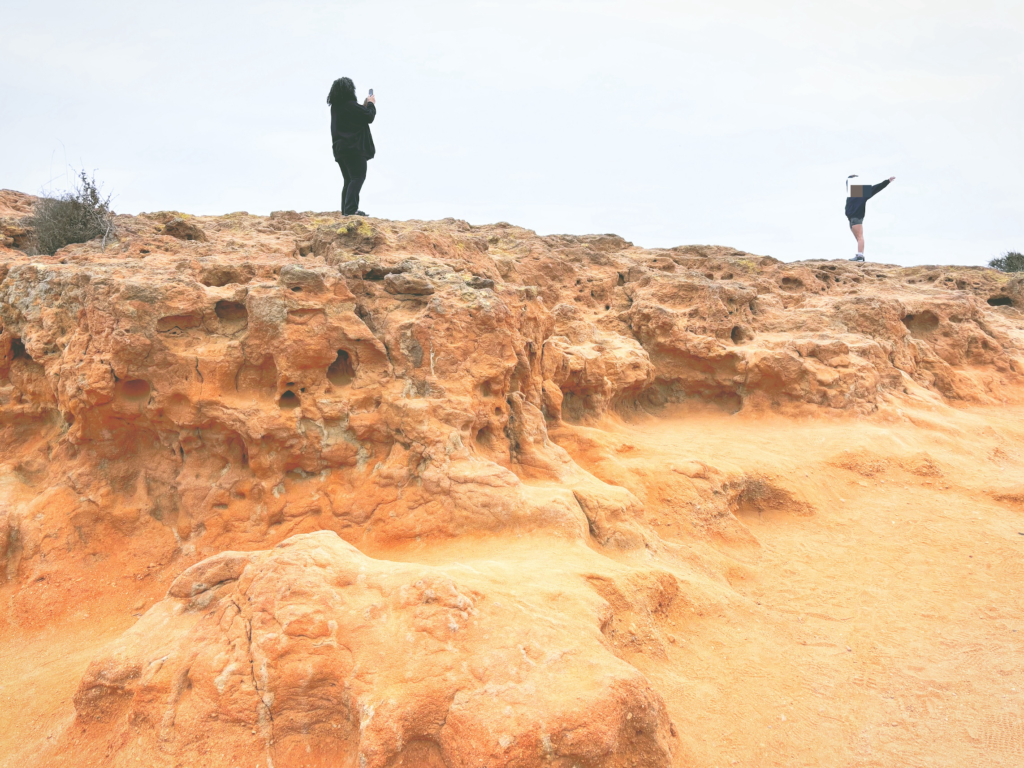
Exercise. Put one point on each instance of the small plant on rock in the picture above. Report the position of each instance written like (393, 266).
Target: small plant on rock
(1011, 261)
(72, 217)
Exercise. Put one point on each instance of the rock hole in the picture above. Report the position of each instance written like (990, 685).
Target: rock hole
(607, 306)
(709, 275)
(925, 322)
(793, 283)
(485, 438)
(574, 407)
(485, 389)
(341, 372)
(232, 312)
(740, 334)
(296, 289)
(1000, 301)
(727, 276)
(237, 453)
(18, 350)
(135, 390)
(177, 323)
(289, 400)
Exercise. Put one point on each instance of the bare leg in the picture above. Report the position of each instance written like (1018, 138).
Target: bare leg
(858, 232)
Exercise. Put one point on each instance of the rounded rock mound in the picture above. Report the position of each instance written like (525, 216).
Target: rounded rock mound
(314, 654)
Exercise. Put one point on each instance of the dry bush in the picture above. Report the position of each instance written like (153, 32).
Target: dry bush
(73, 217)
(1011, 261)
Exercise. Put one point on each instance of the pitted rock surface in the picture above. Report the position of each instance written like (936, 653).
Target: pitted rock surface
(271, 421)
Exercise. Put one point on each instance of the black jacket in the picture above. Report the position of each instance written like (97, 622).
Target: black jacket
(857, 206)
(350, 128)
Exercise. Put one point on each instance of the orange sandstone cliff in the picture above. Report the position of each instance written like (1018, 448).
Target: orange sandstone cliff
(308, 490)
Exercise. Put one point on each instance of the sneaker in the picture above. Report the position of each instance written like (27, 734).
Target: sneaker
(858, 257)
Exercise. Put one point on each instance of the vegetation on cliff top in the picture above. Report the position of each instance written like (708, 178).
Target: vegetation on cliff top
(1011, 261)
(77, 216)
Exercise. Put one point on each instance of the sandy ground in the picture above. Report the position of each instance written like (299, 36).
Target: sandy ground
(884, 629)
(874, 619)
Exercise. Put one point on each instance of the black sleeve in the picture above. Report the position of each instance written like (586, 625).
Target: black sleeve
(369, 111)
(878, 188)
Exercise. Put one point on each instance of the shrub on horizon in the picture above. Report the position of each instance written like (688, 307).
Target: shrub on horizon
(1011, 261)
(77, 216)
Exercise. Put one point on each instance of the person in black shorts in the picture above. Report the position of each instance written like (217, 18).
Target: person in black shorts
(857, 196)
(351, 139)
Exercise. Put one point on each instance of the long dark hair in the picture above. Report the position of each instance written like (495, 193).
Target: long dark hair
(342, 90)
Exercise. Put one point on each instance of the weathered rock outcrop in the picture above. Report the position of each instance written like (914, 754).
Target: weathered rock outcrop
(206, 388)
(323, 649)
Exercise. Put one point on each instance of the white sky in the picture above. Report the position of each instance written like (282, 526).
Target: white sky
(724, 122)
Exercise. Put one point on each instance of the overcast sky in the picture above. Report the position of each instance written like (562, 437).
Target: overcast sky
(668, 123)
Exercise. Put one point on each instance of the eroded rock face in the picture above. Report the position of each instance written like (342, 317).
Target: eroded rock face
(206, 388)
(333, 655)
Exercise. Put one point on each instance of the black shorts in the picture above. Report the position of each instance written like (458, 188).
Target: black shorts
(855, 220)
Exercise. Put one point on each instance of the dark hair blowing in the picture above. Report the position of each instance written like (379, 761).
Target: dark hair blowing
(342, 90)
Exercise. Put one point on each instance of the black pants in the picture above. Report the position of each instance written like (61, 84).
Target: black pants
(353, 170)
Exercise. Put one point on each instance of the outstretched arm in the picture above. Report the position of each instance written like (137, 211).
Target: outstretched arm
(875, 189)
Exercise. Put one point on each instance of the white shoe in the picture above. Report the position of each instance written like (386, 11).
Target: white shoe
(858, 257)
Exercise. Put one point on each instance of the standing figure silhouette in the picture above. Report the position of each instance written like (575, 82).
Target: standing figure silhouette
(857, 196)
(351, 139)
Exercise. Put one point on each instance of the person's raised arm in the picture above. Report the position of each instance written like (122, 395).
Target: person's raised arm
(369, 111)
(369, 108)
(879, 187)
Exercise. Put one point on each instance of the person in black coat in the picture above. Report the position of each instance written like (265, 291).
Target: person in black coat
(351, 139)
(857, 196)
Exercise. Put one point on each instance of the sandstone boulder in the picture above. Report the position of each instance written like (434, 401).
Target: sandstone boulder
(313, 652)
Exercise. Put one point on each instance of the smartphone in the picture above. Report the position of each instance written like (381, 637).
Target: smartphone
(371, 91)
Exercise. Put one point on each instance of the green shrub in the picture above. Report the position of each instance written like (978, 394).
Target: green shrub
(1011, 261)
(73, 217)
